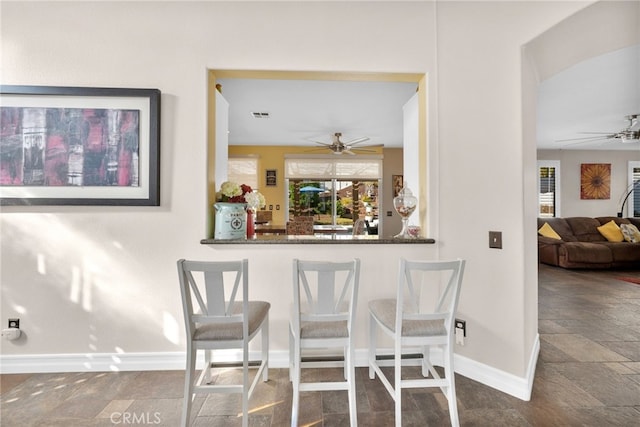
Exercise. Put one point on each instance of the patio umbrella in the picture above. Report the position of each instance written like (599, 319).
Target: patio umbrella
(310, 189)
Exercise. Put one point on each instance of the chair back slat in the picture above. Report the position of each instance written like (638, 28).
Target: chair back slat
(214, 285)
(344, 296)
(196, 292)
(413, 302)
(325, 303)
(446, 294)
(307, 291)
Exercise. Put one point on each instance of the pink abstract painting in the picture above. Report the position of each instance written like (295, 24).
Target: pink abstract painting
(69, 147)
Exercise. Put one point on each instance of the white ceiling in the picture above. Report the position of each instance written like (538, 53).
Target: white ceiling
(304, 110)
(592, 96)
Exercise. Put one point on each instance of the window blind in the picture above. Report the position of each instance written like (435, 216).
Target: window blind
(324, 168)
(243, 170)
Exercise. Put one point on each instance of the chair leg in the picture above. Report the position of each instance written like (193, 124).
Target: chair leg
(351, 378)
(188, 385)
(265, 349)
(290, 355)
(296, 384)
(426, 353)
(245, 385)
(397, 370)
(345, 366)
(208, 371)
(451, 388)
(372, 346)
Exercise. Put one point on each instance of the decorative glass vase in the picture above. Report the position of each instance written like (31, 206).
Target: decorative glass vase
(231, 221)
(405, 203)
(251, 225)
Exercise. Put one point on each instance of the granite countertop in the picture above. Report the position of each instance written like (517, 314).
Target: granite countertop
(280, 239)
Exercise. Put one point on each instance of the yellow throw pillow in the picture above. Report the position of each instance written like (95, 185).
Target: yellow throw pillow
(611, 232)
(547, 231)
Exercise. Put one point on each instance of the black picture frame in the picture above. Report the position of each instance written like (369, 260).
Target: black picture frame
(271, 177)
(141, 104)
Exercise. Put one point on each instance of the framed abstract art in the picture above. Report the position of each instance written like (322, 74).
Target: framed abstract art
(79, 146)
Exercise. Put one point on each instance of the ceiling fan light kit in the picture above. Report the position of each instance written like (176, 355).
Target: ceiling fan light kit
(629, 134)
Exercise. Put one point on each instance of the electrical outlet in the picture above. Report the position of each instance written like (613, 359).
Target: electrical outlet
(460, 331)
(14, 323)
(462, 325)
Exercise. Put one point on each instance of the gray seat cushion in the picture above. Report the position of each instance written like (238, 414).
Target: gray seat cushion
(258, 310)
(333, 329)
(385, 311)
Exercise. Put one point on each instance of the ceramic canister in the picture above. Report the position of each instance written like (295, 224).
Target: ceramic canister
(231, 221)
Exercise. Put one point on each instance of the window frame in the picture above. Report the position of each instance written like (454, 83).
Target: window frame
(331, 169)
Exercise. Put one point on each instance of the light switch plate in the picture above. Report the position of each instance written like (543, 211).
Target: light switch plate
(495, 239)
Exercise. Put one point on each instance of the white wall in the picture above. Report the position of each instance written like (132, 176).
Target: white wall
(570, 161)
(482, 160)
(123, 259)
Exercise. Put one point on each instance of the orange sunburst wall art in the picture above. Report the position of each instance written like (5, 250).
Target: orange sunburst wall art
(595, 181)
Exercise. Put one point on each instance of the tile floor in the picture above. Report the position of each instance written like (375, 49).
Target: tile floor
(588, 374)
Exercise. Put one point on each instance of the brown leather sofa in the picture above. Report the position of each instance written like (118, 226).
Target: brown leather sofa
(582, 245)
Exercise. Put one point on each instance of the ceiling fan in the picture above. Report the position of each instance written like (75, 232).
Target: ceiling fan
(339, 147)
(627, 135)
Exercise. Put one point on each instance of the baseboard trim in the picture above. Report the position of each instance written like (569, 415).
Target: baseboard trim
(513, 385)
(105, 362)
(91, 362)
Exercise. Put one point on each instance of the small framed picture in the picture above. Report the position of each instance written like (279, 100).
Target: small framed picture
(398, 182)
(271, 177)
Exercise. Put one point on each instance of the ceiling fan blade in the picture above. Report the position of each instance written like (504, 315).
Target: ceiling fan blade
(604, 140)
(356, 141)
(589, 138)
(315, 150)
(323, 143)
(368, 146)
